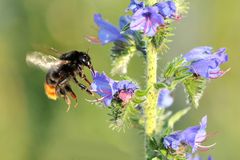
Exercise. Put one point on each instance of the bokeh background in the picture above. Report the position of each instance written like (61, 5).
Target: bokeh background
(33, 127)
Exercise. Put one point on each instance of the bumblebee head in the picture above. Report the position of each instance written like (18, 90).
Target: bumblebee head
(86, 61)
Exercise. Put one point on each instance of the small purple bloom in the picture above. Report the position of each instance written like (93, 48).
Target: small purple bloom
(107, 32)
(167, 9)
(210, 158)
(125, 90)
(147, 20)
(191, 157)
(165, 99)
(103, 86)
(196, 157)
(108, 89)
(192, 136)
(205, 63)
(173, 140)
(135, 5)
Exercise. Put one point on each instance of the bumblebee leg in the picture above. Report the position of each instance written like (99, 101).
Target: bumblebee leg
(73, 95)
(83, 87)
(62, 93)
(83, 76)
(68, 101)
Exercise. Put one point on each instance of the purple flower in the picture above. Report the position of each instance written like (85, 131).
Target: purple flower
(167, 9)
(147, 20)
(191, 157)
(103, 86)
(205, 63)
(135, 5)
(165, 99)
(192, 136)
(123, 21)
(109, 89)
(173, 140)
(107, 32)
(124, 90)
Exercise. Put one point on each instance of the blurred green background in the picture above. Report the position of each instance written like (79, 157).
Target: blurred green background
(32, 127)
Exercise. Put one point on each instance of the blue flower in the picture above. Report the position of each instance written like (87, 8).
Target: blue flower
(192, 136)
(205, 63)
(125, 90)
(147, 20)
(196, 157)
(123, 21)
(103, 86)
(173, 140)
(107, 32)
(109, 89)
(167, 9)
(191, 157)
(135, 5)
(165, 99)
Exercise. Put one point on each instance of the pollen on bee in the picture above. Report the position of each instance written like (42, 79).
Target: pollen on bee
(50, 91)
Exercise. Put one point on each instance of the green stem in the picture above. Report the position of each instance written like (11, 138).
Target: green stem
(151, 99)
(150, 107)
(151, 2)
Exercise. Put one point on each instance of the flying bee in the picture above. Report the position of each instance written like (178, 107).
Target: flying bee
(60, 71)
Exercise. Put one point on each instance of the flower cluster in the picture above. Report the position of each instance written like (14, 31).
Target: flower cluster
(205, 63)
(146, 19)
(192, 137)
(109, 89)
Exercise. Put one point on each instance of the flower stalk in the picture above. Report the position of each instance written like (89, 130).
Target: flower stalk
(151, 99)
(151, 2)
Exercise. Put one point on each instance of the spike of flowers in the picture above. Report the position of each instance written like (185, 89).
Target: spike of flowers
(146, 30)
(205, 63)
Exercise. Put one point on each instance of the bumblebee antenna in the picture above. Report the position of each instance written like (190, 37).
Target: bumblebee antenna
(87, 51)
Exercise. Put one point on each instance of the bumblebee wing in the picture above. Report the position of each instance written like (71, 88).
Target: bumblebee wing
(44, 62)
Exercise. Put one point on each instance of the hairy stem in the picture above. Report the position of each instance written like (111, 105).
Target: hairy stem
(151, 2)
(151, 100)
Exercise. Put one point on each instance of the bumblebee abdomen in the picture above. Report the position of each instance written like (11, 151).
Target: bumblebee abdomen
(50, 91)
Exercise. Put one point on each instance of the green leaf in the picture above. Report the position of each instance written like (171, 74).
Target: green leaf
(176, 66)
(126, 27)
(194, 88)
(141, 93)
(137, 100)
(174, 73)
(161, 85)
(177, 116)
(160, 40)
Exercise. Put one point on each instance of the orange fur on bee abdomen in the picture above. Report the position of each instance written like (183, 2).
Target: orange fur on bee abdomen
(50, 91)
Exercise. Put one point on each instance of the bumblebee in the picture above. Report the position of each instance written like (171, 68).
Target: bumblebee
(60, 71)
